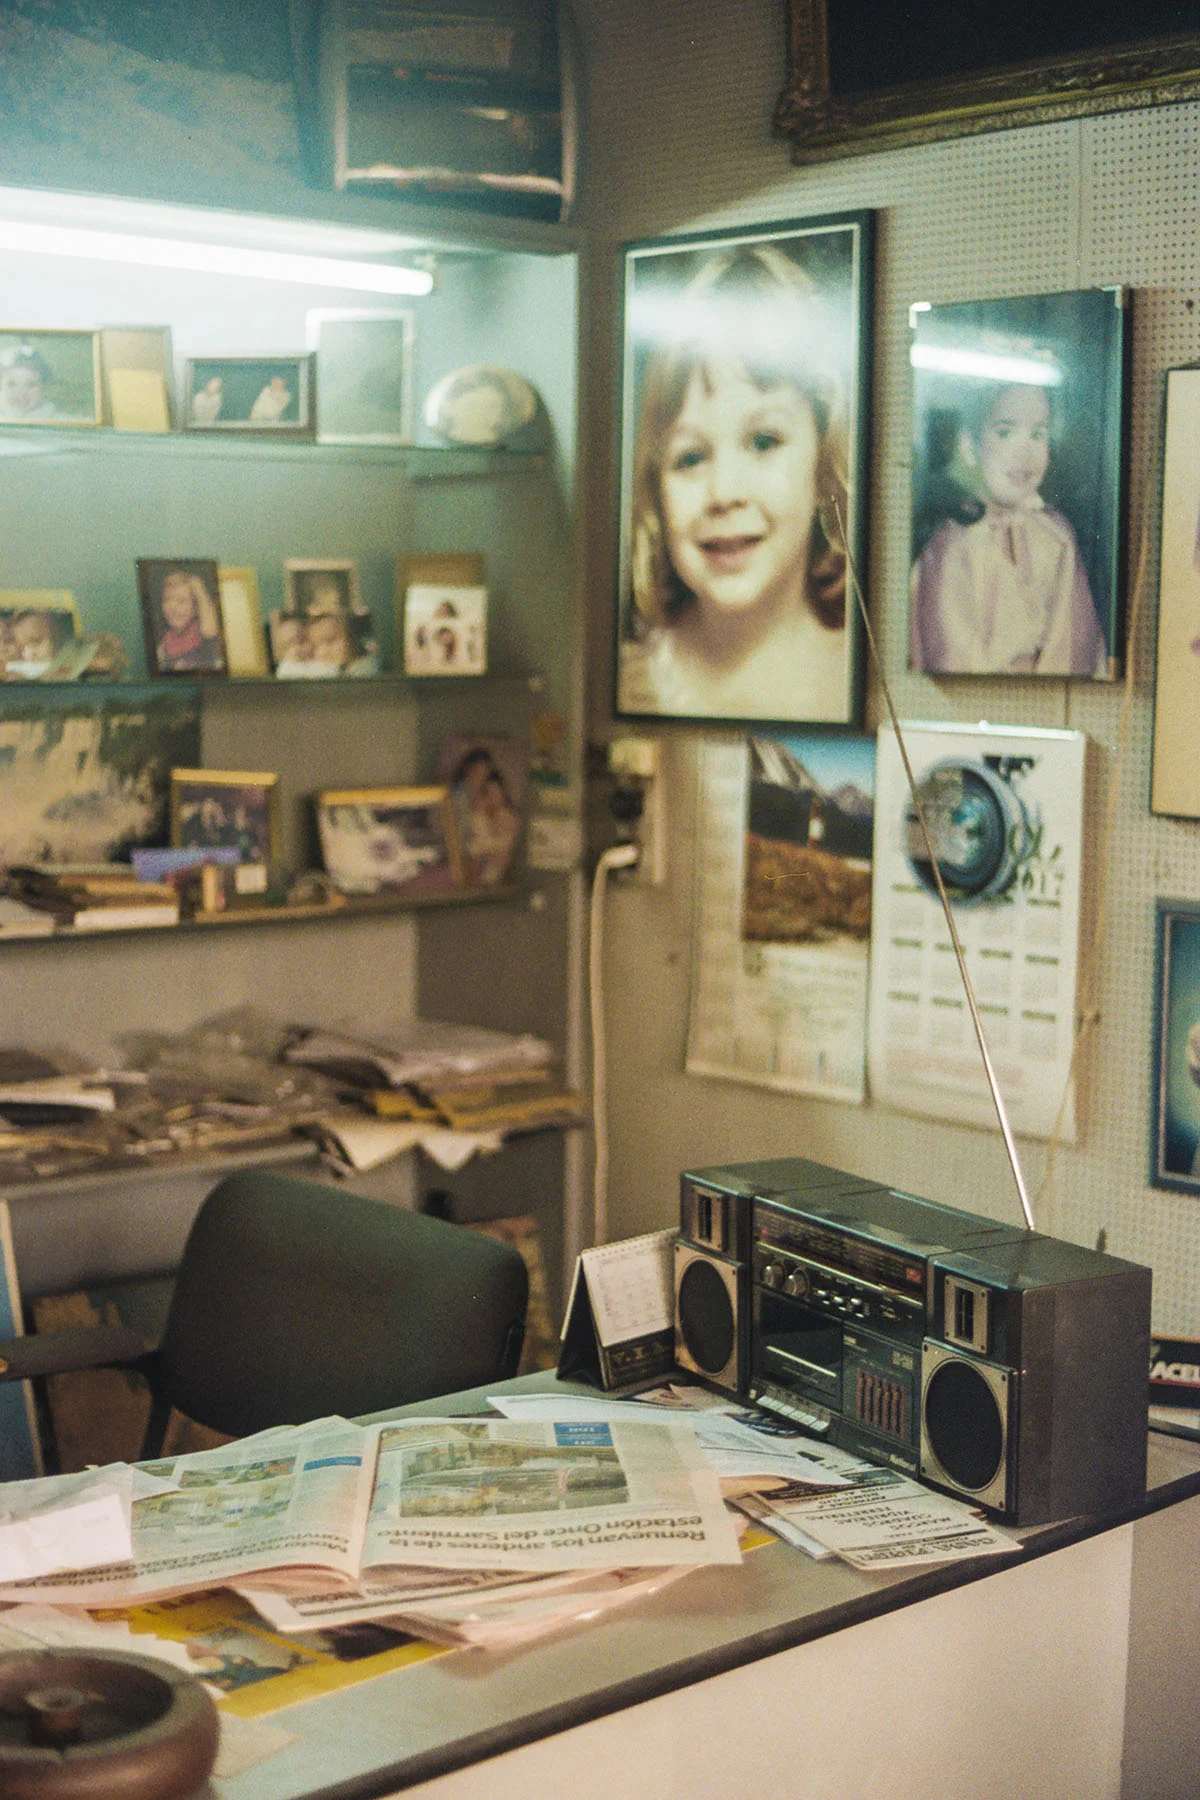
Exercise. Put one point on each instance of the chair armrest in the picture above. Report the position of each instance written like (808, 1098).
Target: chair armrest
(61, 1352)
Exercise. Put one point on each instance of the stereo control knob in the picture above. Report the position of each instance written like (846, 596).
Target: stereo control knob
(772, 1274)
(796, 1282)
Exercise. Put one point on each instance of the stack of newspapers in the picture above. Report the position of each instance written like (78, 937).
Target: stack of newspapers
(455, 1530)
(465, 1531)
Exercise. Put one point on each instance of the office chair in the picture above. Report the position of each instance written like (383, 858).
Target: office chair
(295, 1299)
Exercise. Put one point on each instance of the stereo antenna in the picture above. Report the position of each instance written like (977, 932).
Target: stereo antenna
(1006, 1130)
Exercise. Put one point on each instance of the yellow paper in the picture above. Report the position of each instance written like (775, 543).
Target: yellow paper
(138, 398)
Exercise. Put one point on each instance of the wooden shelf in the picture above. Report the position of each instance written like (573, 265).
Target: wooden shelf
(358, 907)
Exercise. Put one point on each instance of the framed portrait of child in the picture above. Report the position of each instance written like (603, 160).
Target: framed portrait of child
(1018, 413)
(746, 385)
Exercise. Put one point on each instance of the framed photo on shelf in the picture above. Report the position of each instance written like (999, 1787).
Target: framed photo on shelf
(1019, 420)
(36, 626)
(50, 377)
(248, 393)
(137, 367)
(321, 586)
(329, 645)
(486, 775)
(181, 615)
(1175, 1102)
(397, 840)
(226, 809)
(745, 395)
(1175, 770)
(364, 361)
(242, 622)
(445, 630)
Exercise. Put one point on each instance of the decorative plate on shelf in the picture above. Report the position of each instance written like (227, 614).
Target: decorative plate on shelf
(481, 405)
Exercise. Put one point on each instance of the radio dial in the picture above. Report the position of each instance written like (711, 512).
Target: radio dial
(772, 1274)
(796, 1282)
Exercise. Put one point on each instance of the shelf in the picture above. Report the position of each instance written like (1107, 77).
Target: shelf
(422, 462)
(364, 907)
(424, 685)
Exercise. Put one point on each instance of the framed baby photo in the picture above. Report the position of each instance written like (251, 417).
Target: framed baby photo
(744, 437)
(37, 625)
(486, 775)
(1175, 769)
(50, 377)
(226, 809)
(364, 364)
(181, 615)
(312, 646)
(1017, 507)
(263, 394)
(445, 630)
(1175, 1099)
(321, 586)
(397, 840)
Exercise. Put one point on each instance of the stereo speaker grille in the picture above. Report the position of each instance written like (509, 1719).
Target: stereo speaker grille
(706, 1316)
(965, 1416)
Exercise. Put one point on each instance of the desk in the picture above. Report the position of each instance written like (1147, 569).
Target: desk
(793, 1680)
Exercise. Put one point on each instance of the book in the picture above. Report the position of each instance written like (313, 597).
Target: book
(20, 920)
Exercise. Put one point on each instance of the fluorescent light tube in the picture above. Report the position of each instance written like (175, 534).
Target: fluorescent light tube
(212, 259)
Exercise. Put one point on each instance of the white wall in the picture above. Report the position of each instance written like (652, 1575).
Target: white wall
(678, 138)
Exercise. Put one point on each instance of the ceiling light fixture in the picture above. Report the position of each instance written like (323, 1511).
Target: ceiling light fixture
(212, 259)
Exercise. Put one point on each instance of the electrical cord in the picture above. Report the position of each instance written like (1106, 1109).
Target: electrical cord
(618, 856)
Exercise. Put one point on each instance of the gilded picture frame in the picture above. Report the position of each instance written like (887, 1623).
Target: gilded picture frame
(1057, 62)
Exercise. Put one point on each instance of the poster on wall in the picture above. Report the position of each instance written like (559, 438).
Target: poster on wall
(783, 913)
(1175, 1161)
(1018, 414)
(1175, 777)
(1004, 809)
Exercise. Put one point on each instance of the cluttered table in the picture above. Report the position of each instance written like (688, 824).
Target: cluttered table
(804, 1678)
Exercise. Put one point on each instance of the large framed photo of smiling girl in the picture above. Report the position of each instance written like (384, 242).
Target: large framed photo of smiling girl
(744, 438)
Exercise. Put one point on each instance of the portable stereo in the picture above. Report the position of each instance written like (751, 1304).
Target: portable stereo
(994, 1362)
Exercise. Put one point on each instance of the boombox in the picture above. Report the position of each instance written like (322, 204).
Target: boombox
(998, 1364)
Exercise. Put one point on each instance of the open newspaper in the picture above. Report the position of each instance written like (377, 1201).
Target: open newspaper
(452, 1494)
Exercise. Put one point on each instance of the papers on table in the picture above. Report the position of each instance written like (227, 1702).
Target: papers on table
(64, 1522)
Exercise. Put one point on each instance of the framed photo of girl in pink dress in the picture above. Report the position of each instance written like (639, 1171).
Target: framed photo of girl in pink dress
(1018, 411)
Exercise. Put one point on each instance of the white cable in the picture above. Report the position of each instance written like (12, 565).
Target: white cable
(619, 856)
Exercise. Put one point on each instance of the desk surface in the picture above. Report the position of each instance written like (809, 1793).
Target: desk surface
(420, 1722)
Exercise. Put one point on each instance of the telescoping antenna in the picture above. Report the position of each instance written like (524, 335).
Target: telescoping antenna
(1006, 1131)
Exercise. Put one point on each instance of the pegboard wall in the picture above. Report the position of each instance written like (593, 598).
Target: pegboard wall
(678, 139)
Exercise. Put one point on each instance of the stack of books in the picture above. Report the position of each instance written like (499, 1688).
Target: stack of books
(94, 896)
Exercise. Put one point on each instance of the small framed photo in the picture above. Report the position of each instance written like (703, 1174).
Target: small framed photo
(445, 630)
(242, 622)
(364, 375)
(746, 361)
(36, 626)
(1019, 414)
(328, 586)
(1175, 777)
(309, 646)
(398, 840)
(50, 377)
(248, 393)
(137, 366)
(223, 809)
(181, 615)
(486, 775)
